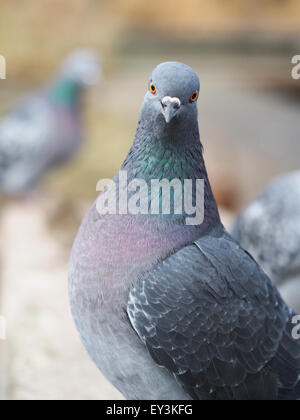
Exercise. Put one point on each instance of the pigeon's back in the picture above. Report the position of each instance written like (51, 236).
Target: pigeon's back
(24, 133)
(34, 137)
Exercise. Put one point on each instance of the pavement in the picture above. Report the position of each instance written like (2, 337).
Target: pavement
(42, 357)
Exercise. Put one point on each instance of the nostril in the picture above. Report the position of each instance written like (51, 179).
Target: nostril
(174, 105)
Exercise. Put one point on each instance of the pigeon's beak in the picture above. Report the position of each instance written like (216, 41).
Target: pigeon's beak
(170, 107)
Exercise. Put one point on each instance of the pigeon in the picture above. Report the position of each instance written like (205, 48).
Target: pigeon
(44, 129)
(269, 228)
(170, 308)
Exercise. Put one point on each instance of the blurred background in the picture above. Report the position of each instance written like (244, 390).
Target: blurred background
(249, 120)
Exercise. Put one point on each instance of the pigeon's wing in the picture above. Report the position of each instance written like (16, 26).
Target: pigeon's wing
(212, 317)
(24, 138)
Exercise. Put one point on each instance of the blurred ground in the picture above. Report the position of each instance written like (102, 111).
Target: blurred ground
(44, 358)
(249, 121)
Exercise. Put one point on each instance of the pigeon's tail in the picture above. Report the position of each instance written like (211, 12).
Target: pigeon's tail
(286, 363)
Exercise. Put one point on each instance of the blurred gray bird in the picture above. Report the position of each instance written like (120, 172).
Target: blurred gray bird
(269, 228)
(169, 310)
(45, 130)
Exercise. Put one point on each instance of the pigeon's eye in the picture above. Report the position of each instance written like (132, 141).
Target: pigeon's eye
(152, 88)
(194, 96)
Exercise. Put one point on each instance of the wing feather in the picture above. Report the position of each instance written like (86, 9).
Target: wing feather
(212, 317)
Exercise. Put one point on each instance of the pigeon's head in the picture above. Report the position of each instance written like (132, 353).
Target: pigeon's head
(83, 67)
(172, 94)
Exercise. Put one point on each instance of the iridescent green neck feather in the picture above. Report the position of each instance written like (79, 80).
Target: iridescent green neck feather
(176, 154)
(66, 92)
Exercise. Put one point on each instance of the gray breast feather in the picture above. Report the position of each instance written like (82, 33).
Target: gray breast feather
(211, 316)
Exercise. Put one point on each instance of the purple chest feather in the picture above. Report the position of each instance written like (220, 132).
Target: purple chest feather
(113, 251)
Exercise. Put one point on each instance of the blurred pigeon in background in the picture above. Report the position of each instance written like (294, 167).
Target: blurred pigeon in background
(45, 130)
(269, 228)
(170, 310)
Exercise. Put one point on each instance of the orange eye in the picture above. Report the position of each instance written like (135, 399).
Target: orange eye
(194, 96)
(152, 88)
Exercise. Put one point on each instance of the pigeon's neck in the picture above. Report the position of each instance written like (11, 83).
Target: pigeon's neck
(172, 154)
(65, 92)
(165, 154)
